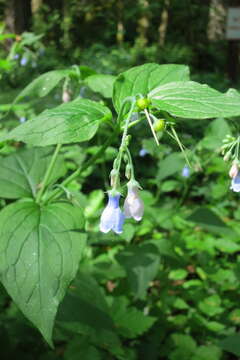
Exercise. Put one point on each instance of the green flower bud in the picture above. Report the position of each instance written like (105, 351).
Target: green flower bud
(143, 103)
(159, 125)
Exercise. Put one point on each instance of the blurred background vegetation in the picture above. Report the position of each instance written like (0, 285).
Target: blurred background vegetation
(182, 267)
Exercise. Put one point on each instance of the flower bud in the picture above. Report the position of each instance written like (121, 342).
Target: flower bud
(128, 171)
(113, 177)
(159, 125)
(66, 96)
(227, 156)
(143, 103)
(234, 170)
(133, 205)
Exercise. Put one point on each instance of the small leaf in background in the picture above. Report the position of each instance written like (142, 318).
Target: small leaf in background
(231, 344)
(210, 221)
(208, 352)
(39, 257)
(129, 321)
(81, 348)
(178, 274)
(71, 122)
(170, 165)
(215, 133)
(22, 172)
(85, 311)
(141, 264)
(211, 305)
(192, 100)
(101, 83)
(142, 79)
(185, 347)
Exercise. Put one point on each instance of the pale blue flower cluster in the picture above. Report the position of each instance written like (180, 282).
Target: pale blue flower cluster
(113, 218)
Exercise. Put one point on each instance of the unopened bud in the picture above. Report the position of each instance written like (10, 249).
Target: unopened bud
(234, 170)
(159, 125)
(128, 171)
(113, 177)
(66, 96)
(227, 156)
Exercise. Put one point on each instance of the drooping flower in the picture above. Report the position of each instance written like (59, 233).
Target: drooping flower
(133, 204)
(143, 152)
(112, 217)
(235, 184)
(22, 119)
(185, 171)
(23, 61)
(234, 170)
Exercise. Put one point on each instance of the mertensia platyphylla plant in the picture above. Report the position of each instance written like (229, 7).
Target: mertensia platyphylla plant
(42, 229)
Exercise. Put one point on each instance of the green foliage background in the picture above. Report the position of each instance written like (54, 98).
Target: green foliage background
(168, 287)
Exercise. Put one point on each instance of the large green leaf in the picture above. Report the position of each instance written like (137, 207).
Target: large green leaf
(39, 256)
(142, 79)
(22, 171)
(101, 83)
(75, 121)
(189, 99)
(43, 84)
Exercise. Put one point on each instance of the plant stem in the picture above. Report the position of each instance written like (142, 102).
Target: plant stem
(48, 173)
(180, 145)
(123, 145)
(151, 126)
(58, 192)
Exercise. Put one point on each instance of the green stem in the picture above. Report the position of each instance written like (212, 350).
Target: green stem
(180, 145)
(59, 191)
(151, 126)
(123, 145)
(48, 173)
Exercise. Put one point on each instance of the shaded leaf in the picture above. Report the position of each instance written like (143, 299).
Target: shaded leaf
(39, 256)
(130, 321)
(141, 264)
(22, 171)
(210, 221)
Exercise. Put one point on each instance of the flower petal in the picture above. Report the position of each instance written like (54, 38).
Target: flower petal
(107, 219)
(119, 219)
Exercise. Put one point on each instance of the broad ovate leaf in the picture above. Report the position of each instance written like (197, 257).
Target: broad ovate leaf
(40, 249)
(75, 121)
(189, 99)
(142, 79)
(22, 172)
